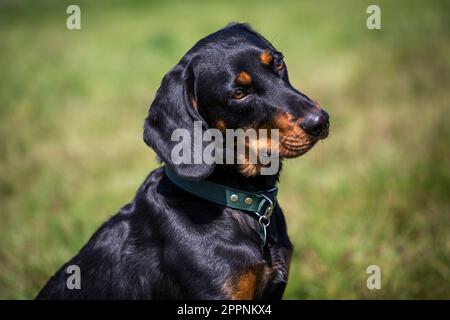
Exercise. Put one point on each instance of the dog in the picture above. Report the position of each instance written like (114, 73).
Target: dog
(171, 243)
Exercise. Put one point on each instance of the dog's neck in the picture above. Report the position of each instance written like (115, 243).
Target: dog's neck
(229, 175)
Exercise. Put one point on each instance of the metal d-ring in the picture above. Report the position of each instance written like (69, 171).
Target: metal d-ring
(262, 222)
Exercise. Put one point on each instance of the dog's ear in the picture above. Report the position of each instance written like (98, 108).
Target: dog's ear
(174, 108)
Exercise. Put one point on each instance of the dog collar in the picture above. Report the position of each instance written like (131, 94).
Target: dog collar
(261, 203)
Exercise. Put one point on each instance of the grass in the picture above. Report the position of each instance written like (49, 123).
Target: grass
(72, 105)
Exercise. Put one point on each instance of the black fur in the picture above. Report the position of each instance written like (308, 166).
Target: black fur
(169, 244)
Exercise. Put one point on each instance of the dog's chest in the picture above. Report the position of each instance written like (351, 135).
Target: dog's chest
(259, 281)
(265, 274)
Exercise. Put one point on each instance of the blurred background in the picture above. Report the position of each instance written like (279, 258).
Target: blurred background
(73, 102)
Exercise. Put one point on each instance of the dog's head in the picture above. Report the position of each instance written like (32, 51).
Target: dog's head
(233, 78)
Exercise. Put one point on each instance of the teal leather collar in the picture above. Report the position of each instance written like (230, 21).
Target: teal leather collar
(261, 203)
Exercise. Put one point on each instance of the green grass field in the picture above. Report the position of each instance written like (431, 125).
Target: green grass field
(377, 191)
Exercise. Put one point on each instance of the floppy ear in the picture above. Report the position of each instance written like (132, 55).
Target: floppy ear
(173, 108)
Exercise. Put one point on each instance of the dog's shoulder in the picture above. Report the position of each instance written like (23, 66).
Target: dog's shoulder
(120, 255)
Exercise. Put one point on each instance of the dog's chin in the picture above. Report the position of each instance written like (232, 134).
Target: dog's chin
(293, 150)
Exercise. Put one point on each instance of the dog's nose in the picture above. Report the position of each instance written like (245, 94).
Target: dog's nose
(316, 124)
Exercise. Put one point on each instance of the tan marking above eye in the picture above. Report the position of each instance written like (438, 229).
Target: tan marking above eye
(244, 79)
(266, 57)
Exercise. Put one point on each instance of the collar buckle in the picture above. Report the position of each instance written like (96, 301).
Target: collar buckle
(267, 205)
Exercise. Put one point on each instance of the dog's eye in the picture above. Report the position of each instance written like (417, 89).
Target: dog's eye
(280, 66)
(239, 94)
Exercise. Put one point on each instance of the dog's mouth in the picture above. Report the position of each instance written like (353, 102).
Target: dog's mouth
(295, 146)
(296, 139)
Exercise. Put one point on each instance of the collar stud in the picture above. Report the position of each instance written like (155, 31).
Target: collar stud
(248, 201)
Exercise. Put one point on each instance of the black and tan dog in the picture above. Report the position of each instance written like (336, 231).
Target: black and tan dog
(172, 244)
